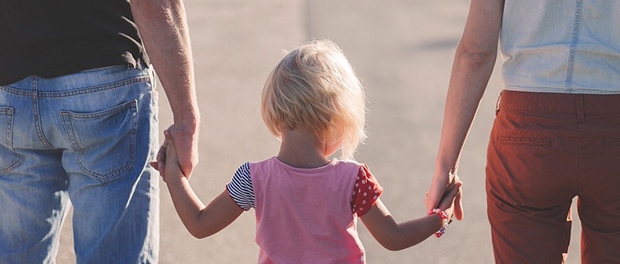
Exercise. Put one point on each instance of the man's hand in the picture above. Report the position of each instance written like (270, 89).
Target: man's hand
(186, 146)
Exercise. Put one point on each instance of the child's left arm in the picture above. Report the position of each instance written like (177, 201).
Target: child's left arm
(200, 220)
(398, 236)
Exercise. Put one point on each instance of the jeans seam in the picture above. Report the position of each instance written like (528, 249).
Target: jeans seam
(8, 124)
(15, 91)
(112, 174)
(68, 125)
(37, 116)
(110, 86)
(130, 105)
(9, 139)
(573, 45)
(15, 165)
(96, 88)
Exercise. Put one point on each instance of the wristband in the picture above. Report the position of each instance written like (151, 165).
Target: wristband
(444, 221)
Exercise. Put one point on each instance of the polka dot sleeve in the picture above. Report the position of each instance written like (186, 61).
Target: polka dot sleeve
(366, 191)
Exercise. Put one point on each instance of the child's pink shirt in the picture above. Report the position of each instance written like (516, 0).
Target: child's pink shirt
(304, 215)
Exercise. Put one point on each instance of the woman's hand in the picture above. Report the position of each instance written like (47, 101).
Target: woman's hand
(451, 199)
(440, 190)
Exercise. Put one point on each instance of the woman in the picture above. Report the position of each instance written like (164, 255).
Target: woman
(557, 130)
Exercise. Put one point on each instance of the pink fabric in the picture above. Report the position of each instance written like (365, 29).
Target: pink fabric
(304, 215)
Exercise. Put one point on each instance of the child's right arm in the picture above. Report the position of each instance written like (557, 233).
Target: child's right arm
(199, 220)
(397, 236)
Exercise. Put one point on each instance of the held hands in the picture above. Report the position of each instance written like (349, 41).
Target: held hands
(445, 194)
(450, 200)
(440, 186)
(168, 160)
(186, 148)
(186, 140)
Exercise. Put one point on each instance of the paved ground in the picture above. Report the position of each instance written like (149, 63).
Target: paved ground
(401, 50)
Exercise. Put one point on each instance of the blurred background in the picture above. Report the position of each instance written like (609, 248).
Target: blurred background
(402, 52)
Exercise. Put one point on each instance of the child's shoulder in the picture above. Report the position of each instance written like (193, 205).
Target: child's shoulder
(361, 169)
(265, 161)
(353, 166)
(353, 162)
(350, 163)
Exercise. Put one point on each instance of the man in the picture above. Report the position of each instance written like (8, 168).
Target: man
(78, 122)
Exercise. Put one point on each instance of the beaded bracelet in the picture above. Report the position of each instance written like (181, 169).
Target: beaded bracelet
(444, 221)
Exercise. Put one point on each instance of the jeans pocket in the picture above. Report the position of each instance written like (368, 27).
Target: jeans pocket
(8, 158)
(105, 140)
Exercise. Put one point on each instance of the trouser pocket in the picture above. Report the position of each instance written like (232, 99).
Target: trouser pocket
(104, 141)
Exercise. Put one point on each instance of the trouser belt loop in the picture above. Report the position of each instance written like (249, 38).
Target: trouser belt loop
(579, 104)
(499, 98)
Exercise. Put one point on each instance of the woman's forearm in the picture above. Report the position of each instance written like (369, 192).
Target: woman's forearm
(473, 64)
(470, 74)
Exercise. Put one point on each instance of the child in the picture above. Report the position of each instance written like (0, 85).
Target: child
(306, 204)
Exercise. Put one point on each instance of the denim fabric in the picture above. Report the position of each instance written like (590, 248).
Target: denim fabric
(561, 46)
(83, 139)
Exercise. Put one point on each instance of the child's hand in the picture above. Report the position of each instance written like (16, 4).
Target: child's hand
(452, 193)
(171, 170)
(159, 163)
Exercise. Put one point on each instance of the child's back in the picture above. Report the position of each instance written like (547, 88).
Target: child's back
(303, 215)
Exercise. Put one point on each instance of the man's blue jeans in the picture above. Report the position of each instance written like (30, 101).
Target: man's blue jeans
(88, 138)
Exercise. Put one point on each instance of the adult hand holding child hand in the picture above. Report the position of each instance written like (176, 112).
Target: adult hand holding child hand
(443, 190)
(172, 168)
(186, 148)
(167, 162)
(450, 202)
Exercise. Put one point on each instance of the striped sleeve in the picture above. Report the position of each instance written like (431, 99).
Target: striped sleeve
(240, 187)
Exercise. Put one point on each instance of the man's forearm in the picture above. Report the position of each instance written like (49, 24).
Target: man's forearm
(163, 27)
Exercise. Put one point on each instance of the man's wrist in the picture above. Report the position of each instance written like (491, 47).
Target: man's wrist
(188, 123)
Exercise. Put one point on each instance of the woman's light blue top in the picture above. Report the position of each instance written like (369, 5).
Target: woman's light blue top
(561, 46)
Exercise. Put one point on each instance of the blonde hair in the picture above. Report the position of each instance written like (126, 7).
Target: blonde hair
(315, 88)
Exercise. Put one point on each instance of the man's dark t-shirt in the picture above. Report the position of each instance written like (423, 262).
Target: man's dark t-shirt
(50, 38)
